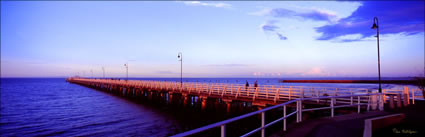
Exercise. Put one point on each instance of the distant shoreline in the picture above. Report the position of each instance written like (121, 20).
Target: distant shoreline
(352, 81)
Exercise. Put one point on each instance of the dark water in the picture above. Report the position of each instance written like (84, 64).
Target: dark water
(53, 107)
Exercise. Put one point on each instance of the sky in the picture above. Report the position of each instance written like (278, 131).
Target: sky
(217, 38)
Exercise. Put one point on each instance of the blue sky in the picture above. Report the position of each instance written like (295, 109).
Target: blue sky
(217, 39)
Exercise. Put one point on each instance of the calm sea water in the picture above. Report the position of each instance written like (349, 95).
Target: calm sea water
(53, 107)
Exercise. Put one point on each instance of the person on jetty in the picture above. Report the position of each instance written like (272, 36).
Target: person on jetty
(246, 85)
(255, 84)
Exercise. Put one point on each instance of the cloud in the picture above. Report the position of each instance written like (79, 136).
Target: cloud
(281, 37)
(208, 4)
(312, 14)
(394, 17)
(227, 65)
(270, 27)
(352, 38)
(316, 71)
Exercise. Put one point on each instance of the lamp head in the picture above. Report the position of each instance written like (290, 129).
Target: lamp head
(374, 26)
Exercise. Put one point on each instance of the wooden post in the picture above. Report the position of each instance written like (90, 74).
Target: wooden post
(204, 103)
(185, 99)
(413, 96)
(149, 95)
(224, 91)
(391, 101)
(228, 105)
(290, 90)
(406, 97)
(399, 100)
(276, 96)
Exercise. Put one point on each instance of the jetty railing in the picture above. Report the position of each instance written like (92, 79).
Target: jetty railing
(273, 93)
(298, 113)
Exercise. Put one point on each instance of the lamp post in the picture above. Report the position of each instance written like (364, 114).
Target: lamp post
(180, 56)
(376, 26)
(126, 66)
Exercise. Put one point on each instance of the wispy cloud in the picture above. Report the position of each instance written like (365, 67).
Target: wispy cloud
(312, 14)
(270, 27)
(208, 4)
(227, 65)
(405, 17)
(281, 37)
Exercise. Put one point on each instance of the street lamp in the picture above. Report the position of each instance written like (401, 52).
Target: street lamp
(126, 66)
(376, 26)
(180, 56)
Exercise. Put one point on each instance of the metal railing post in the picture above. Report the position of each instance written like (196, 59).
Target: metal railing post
(332, 107)
(284, 119)
(223, 130)
(381, 102)
(301, 111)
(298, 111)
(263, 119)
(351, 98)
(358, 104)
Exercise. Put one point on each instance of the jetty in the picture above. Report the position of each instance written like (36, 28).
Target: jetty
(265, 97)
(411, 82)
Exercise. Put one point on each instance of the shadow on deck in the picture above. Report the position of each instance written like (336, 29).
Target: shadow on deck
(352, 125)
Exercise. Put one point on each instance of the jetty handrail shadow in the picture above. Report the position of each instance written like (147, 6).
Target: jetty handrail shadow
(298, 112)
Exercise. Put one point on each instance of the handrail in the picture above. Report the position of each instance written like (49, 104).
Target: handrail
(262, 111)
(235, 85)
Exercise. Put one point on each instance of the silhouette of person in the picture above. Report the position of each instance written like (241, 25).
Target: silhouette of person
(246, 85)
(255, 84)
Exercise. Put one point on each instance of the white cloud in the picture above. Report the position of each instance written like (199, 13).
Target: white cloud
(208, 4)
(317, 71)
(263, 12)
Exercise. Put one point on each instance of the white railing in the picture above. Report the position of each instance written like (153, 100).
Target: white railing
(298, 113)
(273, 93)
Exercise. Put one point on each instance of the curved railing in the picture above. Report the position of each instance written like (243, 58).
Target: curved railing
(298, 113)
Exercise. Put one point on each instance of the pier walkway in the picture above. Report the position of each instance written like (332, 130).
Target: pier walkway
(259, 96)
(277, 97)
